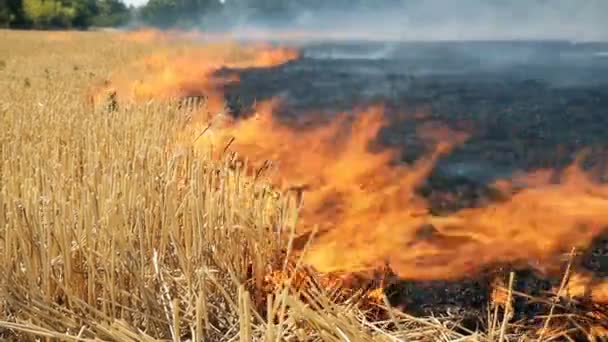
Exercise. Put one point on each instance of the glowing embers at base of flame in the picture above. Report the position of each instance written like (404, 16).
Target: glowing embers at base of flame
(368, 214)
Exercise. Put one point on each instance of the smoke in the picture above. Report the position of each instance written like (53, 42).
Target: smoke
(415, 20)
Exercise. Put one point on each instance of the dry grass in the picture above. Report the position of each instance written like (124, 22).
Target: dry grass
(113, 228)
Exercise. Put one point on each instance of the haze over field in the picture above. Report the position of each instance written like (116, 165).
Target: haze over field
(425, 20)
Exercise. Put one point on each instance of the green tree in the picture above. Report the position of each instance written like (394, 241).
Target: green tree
(5, 14)
(11, 13)
(48, 13)
(70, 13)
(111, 13)
(84, 12)
(182, 13)
(162, 13)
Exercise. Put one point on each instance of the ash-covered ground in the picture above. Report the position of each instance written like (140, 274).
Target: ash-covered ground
(527, 105)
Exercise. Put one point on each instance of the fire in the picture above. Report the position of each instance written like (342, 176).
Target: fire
(363, 204)
(533, 226)
(189, 70)
(355, 198)
(144, 35)
(368, 214)
(583, 285)
(148, 35)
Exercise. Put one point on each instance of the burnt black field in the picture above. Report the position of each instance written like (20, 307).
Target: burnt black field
(526, 104)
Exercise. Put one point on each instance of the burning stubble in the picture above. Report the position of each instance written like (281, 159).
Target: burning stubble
(188, 70)
(366, 207)
(370, 215)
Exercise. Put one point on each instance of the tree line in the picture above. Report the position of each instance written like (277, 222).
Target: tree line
(214, 13)
(51, 14)
(82, 14)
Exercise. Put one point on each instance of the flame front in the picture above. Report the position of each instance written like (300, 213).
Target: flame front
(188, 69)
(364, 208)
(368, 213)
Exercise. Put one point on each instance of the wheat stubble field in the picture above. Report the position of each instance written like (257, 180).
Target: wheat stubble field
(118, 224)
(108, 230)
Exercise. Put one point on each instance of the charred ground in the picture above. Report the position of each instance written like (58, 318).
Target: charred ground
(526, 105)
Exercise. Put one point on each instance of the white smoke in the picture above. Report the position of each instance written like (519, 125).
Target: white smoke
(418, 20)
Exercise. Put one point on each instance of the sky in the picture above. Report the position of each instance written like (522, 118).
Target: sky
(135, 2)
(142, 2)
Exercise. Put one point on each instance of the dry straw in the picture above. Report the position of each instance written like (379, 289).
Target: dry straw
(113, 228)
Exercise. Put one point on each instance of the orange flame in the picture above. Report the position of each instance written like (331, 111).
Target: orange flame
(587, 287)
(368, 214)
(189, 70)
(367, 210)
(149, 34)
(144, 35)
